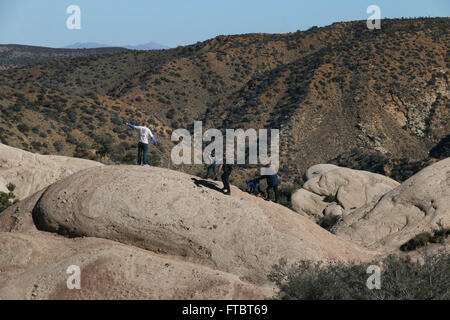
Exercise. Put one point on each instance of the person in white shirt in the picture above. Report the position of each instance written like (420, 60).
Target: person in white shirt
(144, 132)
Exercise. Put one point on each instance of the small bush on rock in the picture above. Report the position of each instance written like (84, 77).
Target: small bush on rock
(327, 222)
(400, 279)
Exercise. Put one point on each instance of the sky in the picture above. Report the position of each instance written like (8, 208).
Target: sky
(182, 22)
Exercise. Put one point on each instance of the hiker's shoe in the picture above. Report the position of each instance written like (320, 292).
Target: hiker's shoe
(227, 192)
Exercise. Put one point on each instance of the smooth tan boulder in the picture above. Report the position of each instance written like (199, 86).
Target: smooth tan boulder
(3, 185)
(18, 217)
(319, 169)
(35, 267)
(177, 214)
(420, 204)
(333, 209)
(31, 172)
(352, 188)
(311, 204)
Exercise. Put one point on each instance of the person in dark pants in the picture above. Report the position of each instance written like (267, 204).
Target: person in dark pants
(144, 133)
(227, 169)
(212, 166)
(142, 153)
(272, 183)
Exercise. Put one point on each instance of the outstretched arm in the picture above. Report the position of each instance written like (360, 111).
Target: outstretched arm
(151, 135)
(131, 125)
(259, 178)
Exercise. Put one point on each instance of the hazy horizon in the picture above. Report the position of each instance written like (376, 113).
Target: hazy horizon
(177, 23)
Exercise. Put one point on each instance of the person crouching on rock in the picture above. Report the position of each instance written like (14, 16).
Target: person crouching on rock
(227, 168)
(253, 188)
(144, 132)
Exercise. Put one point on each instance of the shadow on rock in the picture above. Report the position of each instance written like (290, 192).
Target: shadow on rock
(205, 183)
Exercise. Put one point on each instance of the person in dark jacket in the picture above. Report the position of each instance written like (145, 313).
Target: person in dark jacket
(227, 169)
(272, 183)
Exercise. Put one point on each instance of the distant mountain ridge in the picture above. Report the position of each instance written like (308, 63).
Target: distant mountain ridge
(17, 56)
(95, 45)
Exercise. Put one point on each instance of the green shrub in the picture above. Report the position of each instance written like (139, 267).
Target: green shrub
(129, 158)
(104, 145)
(330, 198)
(439, 236)
(418, 241)
(11, 187)
(154, 159)
(328, 221)
(401, 279)
(7, 199)
(424, 238)
(285, 195)
(23, 128)
(58, 145)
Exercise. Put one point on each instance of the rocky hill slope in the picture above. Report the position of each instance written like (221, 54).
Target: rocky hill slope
(16, 56)
(329, 90)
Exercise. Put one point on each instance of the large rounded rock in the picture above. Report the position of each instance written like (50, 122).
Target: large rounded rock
(35, 267)
(319, 169)
(352, 188)
(308, 203)
(333, 209)
(31, 172)
(174, 213)
(420, 204)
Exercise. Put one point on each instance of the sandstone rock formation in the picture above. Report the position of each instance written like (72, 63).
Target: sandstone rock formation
(174, 213)
(217, 246)
(30, 172)
(420, 204)
(350, 188)
(35, 267)
(333, 209)
(318, 170)
(308, 203)
(18, 218)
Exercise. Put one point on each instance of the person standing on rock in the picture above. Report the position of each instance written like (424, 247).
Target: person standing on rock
(144, 132)
(272, 183)
(227, 168)
(212, 166)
